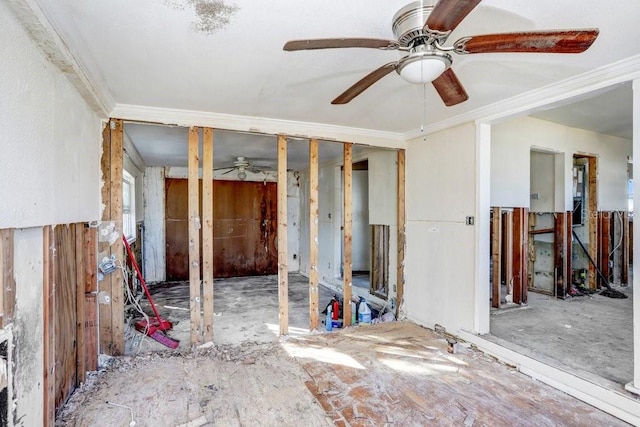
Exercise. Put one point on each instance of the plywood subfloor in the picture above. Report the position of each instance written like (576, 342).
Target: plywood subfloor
(400, 374)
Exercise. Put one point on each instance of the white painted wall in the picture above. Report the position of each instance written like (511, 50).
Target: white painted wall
(50, 143)
(138, 174)
(293, 220)
(542, 182)
(154, 231)
(512, 142)
(441, 249)
(49, 138)
(361, 230)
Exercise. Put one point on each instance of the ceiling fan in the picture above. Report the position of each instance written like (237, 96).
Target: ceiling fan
(242, 166)
(421, 29)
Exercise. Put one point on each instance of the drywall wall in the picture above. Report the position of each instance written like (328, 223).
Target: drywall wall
(154, 232)
(28, 327)
(382, 199)
(542, 181)
(49, 139)
(361, 233)
(293, 220)
(511, 145)
(440, 252)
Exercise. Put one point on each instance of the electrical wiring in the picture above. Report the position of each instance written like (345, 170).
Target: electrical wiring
(133, 301)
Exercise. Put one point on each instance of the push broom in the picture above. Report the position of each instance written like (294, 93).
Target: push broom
(154, 328)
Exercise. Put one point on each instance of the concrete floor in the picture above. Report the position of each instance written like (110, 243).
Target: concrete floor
(590, 336)
(245, 310)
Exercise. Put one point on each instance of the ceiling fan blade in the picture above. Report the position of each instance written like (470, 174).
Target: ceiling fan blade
(364, 83)
(561, 41)
(340, 43)
(447, 14)
(450, 89)
(229, 171)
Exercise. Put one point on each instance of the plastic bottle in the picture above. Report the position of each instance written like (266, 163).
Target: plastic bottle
(353, 313)
(328, 322)
(364, 312)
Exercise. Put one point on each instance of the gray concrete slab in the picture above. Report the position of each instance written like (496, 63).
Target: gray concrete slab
(591, 336)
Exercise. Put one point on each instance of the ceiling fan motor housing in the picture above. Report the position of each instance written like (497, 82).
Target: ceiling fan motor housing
(409, 21)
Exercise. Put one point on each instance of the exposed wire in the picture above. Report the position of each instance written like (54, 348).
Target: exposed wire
(131, 299)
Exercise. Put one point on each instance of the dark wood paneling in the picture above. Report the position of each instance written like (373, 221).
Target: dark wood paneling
(244, 229)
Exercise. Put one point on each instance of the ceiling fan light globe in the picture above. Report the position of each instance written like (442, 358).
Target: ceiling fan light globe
(424, 70)
(242, 175)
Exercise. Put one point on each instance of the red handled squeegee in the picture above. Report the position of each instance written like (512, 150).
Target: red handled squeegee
(157, 327)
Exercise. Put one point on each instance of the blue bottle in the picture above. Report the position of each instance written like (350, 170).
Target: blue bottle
(328, 322)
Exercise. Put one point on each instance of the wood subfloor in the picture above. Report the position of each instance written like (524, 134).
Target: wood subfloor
(389, 374)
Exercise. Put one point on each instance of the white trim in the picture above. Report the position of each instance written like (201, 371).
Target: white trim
(608, 75)
(260, 125)
(617, 404)
(54, 48)
(635, 153)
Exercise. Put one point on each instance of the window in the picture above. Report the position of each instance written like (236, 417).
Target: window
(129, 206)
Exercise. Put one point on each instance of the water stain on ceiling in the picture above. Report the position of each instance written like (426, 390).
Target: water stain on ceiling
(212, 15)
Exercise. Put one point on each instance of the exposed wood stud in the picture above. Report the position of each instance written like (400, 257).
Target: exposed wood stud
(80, 300)
(104, 249)
(530, 254)
(559, 255)
(520, 254)
(496, 255)
(402, 224)
(347, 247)
(568, 248)
(7, 281)
(526, 257)
(207, 233)
(508, 251)
(592, 215)
(313, 234)
(117, 248)
(194, 236)
(89, 327)
(49, 380)
(283, 271)
(604, 239)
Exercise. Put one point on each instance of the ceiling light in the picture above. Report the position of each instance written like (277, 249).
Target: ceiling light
(242, 175)
(423, 68)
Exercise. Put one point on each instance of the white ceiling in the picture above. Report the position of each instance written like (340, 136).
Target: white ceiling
(160, 53)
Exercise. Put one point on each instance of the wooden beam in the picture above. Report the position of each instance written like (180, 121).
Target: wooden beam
(527, 262)
(313, 234)
(542, 231)
(117, 247)
(520, 256)
(78, 231)
(194, 235)
(7, 280)
(625, 248)
(283, 270)
(559, 255)
(496, 255)
(347, 246)
(402, 232)
(569, 248)
(508, 251)
(104, 248)
(207, 233)
(604, 239)
(49, 359)
(90, 325)
(592, 215)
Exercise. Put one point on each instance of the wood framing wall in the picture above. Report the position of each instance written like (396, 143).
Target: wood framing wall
(111, 290)
(402, 236)
(347, 226)
(283, 270)
(313, 235)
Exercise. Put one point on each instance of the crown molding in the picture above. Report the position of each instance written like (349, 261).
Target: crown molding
(608, 75)
(38, 26)
(259, 125)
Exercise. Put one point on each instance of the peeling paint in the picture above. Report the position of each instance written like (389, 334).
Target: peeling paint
(212, 15)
